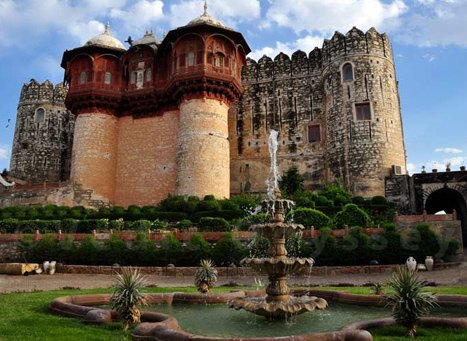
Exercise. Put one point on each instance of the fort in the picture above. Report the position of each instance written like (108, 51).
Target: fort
(190, 115)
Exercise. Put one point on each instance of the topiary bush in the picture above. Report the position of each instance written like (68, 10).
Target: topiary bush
(8, 225)
(141, 225)
(310, 217)
(351, 215)
(228, 251)
(258, 247)
(213, 224)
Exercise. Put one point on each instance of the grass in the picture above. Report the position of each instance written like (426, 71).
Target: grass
(395, 333)
(25, 316)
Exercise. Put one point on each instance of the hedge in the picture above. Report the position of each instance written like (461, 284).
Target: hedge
(310, 217)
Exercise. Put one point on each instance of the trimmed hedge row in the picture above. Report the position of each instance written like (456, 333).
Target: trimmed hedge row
(356, 248)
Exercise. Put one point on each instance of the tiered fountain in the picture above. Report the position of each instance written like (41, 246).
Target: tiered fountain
(278, 303)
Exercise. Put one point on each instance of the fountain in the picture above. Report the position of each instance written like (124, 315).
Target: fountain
(278, 303)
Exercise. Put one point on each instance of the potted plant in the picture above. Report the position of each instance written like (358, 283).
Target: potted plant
(206, 276)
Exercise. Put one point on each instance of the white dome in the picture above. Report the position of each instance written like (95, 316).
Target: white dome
(205, 18)
(105, 40)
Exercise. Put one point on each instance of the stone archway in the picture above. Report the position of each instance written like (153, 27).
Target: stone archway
(448, 199)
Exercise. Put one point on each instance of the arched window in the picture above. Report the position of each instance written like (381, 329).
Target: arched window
(39, 116)
(148, 74)
(82, 77)
(108, 78)
(191, 58)
(219, 60)
(347, 72)
(133, 77)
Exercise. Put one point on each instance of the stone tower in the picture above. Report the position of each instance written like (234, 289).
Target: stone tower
(206, 82)
(365, 140)
(95, 81)
(43, 135)
(337, 112)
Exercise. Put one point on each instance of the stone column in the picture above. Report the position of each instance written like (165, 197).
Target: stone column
(94, 156)
(203, 159)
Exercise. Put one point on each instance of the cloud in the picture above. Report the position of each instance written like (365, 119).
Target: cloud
(229, 13)
(327, 16)
(4, 152)
(305, 44)
(448, 150)
(140, 15)
(411, 167)
(435, 23)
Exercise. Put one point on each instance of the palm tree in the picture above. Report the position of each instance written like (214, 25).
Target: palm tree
(127, 296)
(206, 276)
(409, 302)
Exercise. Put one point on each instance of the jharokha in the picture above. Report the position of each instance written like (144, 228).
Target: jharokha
(190, 115)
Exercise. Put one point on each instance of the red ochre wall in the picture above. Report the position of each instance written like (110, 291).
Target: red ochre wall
(147, 153)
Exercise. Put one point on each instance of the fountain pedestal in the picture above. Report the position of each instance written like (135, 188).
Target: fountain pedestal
(278, 302)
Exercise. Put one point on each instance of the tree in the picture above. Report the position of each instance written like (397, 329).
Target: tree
(292, 182)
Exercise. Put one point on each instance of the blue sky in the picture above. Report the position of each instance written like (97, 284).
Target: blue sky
(429, 41)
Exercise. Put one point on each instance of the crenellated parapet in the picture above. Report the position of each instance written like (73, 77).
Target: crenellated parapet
(35, 92)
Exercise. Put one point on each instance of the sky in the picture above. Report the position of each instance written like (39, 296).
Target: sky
(429, 39)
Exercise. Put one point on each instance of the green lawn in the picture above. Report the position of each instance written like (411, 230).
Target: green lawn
(396, 333)
(25, 316)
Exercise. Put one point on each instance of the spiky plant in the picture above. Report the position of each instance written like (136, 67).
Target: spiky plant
(127, 295)
(377, 287)
(409, 302)
(206, 276)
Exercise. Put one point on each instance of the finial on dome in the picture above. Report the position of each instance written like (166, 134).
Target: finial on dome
(205, 7)
(107, 28)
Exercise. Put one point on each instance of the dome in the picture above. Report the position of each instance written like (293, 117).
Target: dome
(148, 39)
(105, 40)
(205, 18)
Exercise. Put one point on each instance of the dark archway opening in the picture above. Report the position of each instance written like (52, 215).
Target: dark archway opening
(447, 199)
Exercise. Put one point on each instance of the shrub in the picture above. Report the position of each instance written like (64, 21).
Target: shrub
(143, 251)
(127, 296)
(409, 301)
(351, 215)
(245, 223)
(258, 247)
(305, 199)
(208, 204)
(291, 182)
(336, 193)
(87, 226)
(228, 250)
(310, 217)
(379, 201)
(69, 225)
(171, 216)
(133, 212)
(116, 225)
(295, 246)
(359, 201)
(321, 200)
(141, 225)
(213, 224)
(185, 223)
(170, 250)
(246, 202)
(197, 249)
(115, 250)
(8, 225)
(206, 276)
(160, 224)
(88, 252)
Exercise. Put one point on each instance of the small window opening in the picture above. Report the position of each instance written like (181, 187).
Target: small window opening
(82, 77)
(108, 78)
(191, 59)
(362, 112)
(40, 115)
(148, 75)
(347, 71)
(314, 133)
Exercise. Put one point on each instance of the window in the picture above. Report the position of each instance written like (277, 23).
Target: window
(40, 115)
(314, 133)
(362, 111)
(148, 75)
(347, 72)
(181, 60)
(218, 60)
(82, 77)
(133, 77)
(200, 57)
(108, 78)
(191, 58)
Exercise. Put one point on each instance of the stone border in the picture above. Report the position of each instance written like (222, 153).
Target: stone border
(158, 326)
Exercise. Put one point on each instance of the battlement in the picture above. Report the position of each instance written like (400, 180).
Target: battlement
(354, 42)
(34, 92)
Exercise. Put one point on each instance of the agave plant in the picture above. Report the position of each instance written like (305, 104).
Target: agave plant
(206, 276)
(127, 296)
(409, 302)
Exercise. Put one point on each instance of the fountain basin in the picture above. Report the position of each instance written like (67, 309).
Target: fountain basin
(285, 266)
(160, 326)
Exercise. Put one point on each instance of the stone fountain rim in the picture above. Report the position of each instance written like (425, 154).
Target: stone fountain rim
(157, 326)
